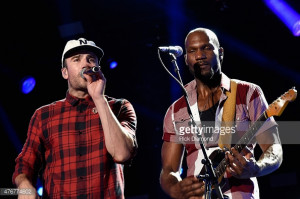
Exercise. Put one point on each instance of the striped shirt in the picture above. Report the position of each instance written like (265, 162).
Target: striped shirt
(250, 104)
(65, 146)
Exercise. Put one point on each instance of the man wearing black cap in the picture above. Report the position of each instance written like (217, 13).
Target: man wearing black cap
(78, 145)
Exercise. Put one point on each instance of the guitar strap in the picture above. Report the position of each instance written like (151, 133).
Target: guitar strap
(228, 116)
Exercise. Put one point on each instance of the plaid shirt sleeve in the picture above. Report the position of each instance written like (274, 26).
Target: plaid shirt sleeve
(128, 120)
(30, 157)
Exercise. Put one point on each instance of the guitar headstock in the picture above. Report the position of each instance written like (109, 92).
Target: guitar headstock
(278, 106)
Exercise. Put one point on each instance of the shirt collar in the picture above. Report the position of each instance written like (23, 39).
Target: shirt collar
(75, 101)
(225, 82)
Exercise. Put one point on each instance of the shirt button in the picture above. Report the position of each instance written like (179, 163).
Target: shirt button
(80, 132)
(94, 110)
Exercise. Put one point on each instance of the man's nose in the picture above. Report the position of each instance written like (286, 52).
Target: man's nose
(200, 54)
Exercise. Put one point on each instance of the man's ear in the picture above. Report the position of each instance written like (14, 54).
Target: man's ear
(185, 59)
(64, 73)
(221, 54)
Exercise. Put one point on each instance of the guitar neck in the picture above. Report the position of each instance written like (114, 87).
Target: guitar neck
(248, 136)
(245, 139)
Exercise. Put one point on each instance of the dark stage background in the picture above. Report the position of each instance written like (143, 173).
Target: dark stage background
(258, 48)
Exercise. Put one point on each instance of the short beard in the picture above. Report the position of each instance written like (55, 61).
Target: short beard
(212, 79)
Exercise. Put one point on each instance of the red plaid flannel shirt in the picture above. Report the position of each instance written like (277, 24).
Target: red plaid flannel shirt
(65, 145)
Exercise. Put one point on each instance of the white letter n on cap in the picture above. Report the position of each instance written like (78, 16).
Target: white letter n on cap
(82, 41)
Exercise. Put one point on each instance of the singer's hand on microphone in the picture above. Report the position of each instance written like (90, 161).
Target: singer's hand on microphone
(96, 84)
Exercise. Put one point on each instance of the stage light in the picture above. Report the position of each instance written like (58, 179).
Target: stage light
(40, 191)
(39, 186)
(286, 14)
(27, 84)
(113, 64)
(181, 171)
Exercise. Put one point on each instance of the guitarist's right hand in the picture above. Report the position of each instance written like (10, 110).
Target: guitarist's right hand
(241, 165)
(189, 188)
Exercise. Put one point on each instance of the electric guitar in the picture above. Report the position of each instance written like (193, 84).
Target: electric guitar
(276, 108)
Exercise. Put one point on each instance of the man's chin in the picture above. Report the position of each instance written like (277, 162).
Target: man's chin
(204, 76)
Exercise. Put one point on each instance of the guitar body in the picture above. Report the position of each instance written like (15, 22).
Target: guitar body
(216, 155)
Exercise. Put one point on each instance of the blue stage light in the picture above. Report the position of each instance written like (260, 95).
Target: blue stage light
(286, 14)
(27, 84)
(113, 64)
(40, 191)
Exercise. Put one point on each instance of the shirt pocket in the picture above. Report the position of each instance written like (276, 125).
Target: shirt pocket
(242, 121)
(183, 125)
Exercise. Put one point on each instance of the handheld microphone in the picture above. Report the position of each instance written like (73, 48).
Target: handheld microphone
(176, 50)
(90, 71)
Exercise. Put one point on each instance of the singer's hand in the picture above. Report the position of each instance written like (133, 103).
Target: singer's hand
(26, 190)
(96, 84)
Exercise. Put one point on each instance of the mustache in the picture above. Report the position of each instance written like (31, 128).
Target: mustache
(200, 63)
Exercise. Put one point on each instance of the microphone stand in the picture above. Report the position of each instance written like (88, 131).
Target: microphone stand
(210, 178)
